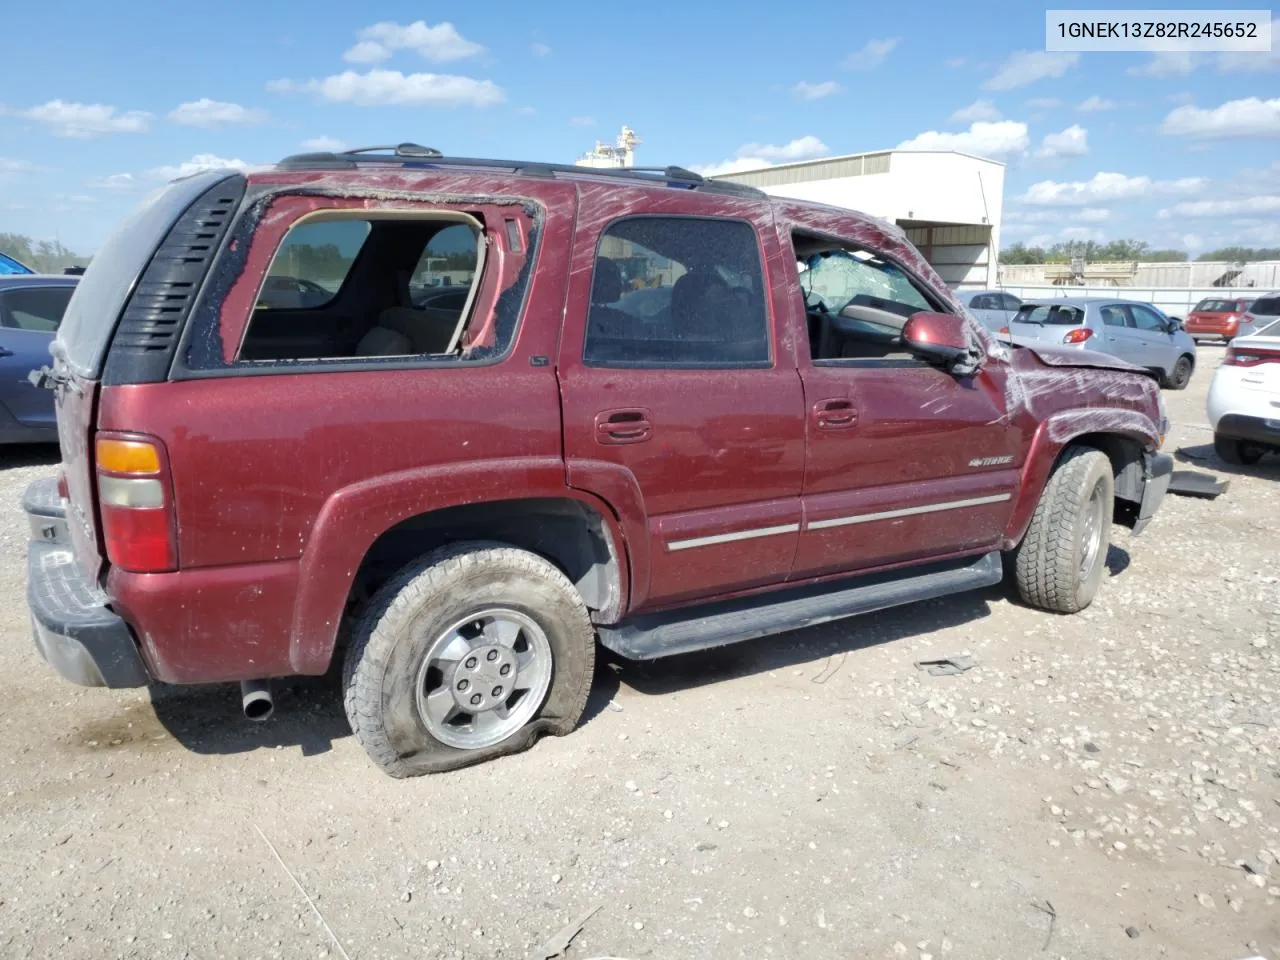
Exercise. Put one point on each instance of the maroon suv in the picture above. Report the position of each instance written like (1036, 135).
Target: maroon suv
(503, 411)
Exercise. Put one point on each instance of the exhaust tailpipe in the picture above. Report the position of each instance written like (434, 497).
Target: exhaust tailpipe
(256, 699)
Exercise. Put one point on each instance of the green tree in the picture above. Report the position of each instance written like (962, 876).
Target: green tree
(42, 256)
(1241, 254)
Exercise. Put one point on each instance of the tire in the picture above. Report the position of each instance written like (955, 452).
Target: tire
(1235, 452)
(1059, 563)
(535, 625)
(1181, 375)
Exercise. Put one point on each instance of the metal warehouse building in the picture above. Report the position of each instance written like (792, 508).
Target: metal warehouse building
(948, 203)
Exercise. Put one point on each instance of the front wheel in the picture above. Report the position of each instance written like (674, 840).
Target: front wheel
(1059, 563)
(470, 653)
(1181, 375)
(1235, 452)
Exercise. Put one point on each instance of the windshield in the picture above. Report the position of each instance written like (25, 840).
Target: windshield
(1044, 313)
(1266, 307)
(836, 279)
(1216, 306)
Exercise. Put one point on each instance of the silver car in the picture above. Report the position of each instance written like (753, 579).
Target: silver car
(994, 308)
(1137, 332)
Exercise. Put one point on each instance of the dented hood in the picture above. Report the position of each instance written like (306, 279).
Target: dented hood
(1054, 356)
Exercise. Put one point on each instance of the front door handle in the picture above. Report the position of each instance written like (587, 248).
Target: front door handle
(836, 413)
(628, 425)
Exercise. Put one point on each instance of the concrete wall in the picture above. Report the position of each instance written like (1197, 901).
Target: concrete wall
(1263, 275)
(1175, 301)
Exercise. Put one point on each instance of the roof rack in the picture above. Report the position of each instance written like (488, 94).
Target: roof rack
(418, 155)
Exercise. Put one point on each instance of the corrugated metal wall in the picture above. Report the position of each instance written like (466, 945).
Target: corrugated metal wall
(1263, 275)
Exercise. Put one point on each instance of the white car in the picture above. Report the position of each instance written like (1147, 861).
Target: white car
(1244, 398)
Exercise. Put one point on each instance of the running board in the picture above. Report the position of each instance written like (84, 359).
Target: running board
(649, 636)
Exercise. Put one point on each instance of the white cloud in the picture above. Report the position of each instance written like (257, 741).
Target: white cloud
(815, 91)
(1096, 104)
(1185, 96)
(1092, 214)
(9, 165)
(1250, 117)
(1071, 142)
(539, 49)
(1027, 66)
(582, 121)
(85, 121)
(754, 156)
(211, 114)
(1044, 103)
(955, 63)
(802, 148)
(527, 111)
(197, 164)
(439, 44)
(1081, 233)
(1105, 187)
(1216, 209)
(985, 139)
(391, 87)
(115, 181)
(326, 144)
(978, 110)
(872, 54)
(1173, 63)
(1253, 62)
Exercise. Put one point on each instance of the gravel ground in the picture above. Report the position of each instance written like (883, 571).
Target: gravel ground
(1104, 785)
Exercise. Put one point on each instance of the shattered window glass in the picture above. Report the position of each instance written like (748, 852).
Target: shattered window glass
(838, 278)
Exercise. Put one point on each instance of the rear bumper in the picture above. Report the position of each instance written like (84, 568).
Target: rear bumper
(1159, 473)
(1237, 426)
(74, 630)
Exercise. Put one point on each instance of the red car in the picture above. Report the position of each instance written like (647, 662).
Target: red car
(1217, 318)
(461, 497)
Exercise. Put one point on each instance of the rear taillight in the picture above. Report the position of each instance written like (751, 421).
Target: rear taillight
(1249, 356)
(1078, 335)
(136, 499)
(1005, 331)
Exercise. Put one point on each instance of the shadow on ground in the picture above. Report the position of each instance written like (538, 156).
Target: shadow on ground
(1204, 457)
(28, 455)
(784, 650)
(208, 719)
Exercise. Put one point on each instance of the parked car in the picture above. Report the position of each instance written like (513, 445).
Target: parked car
(1264, 311)
(10, 266)
(1138, 333)
(1216, 318)
(994, 308)
(31, 307)
(1244, 398)
(461, 506)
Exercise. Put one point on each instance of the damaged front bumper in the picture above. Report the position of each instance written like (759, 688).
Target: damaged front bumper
(1158, 472)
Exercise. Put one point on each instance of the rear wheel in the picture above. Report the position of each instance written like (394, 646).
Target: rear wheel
(470, 653)
(1181, 375)
(1236, 452)
(1059, 563)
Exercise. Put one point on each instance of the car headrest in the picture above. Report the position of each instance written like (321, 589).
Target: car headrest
(606, 283)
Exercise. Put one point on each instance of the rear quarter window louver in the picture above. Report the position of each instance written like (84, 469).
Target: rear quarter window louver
(144, 342)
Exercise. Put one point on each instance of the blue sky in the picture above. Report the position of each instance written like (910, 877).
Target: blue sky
(99, 106)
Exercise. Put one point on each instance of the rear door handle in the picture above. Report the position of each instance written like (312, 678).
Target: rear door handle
(628, 425)
(835, 413)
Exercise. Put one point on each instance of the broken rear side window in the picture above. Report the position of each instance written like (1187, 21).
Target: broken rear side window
(343, 287)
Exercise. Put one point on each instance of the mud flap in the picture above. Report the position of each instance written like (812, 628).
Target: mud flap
(1159, 471)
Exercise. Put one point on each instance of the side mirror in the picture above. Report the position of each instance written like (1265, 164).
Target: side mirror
(1174, 324)
(942, 339)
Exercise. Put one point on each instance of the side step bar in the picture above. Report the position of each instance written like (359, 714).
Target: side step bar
(649, 636)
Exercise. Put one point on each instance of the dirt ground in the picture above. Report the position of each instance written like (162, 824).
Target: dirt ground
(1099, 786)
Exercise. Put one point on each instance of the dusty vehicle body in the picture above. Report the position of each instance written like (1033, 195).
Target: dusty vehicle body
(243, 487)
